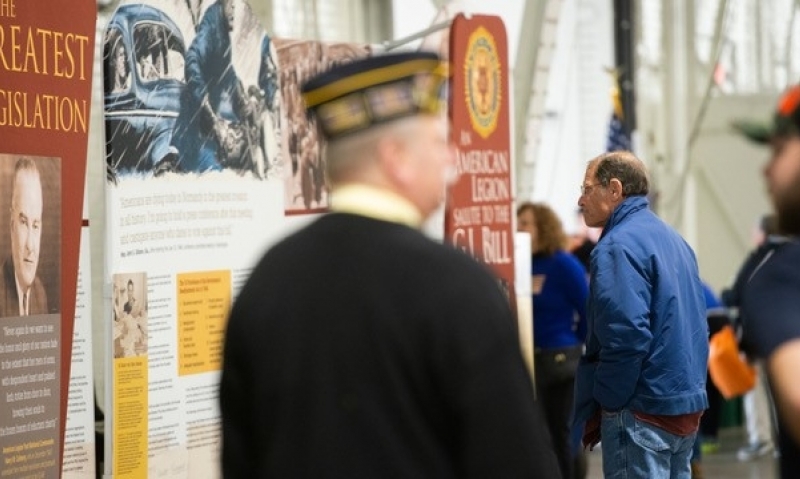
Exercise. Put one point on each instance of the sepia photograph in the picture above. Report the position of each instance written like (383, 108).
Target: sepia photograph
(130, 315)
(304, 176)
(30, 235)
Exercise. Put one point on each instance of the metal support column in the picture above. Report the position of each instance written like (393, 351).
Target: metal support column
(531, 71)
(624, 59)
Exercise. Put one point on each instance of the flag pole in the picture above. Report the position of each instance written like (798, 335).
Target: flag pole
(391, 45)
(624, 60)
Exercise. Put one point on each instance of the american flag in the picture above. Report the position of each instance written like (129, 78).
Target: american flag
(618, 136)
(618, 139)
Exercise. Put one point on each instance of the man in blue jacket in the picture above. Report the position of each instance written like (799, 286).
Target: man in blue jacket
(641, 383)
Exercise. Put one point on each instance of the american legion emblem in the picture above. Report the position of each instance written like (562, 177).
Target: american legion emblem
(483, 87)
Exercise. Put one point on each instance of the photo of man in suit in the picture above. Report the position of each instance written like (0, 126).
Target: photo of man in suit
(131, 303)
(22, 291)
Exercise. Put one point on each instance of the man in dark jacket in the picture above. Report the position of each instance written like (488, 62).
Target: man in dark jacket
(643, 374)
(771, 301)
(361, 348)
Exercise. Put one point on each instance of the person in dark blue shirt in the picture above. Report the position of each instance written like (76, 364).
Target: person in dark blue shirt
(717, 317)
(560, 289)
(770, 304)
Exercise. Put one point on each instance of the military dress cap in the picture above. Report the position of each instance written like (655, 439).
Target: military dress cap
(785, 121)
(373, 90)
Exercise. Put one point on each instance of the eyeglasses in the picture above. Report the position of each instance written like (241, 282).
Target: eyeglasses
(586, 189)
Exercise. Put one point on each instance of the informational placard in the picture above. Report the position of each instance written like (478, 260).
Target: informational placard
(210, 159)
(204, 300)
(45, 95)
(479, 210)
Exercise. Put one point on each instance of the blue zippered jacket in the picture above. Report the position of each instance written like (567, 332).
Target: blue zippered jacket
(647, 344)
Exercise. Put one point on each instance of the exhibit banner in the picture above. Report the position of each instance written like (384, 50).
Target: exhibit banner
(479, 209)
(210, 159)
(45, 96)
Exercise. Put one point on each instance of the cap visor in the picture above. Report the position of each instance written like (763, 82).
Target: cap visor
(756, 132)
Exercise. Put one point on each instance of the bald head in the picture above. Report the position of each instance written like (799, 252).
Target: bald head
(410, 157)
(624, 166)
(355, 157)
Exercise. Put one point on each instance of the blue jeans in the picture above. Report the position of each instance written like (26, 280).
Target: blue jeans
(635, 449)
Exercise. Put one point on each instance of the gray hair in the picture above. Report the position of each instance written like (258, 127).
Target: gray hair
(624, 166)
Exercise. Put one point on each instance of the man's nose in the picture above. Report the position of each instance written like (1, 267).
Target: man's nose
(29, 242)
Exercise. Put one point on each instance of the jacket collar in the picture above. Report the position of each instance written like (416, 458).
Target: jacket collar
(628, 207)
(375, 203)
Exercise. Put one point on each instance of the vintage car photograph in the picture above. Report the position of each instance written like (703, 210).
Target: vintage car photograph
(143, 58)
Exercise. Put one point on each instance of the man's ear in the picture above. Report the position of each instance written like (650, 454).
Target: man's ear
(393, 157)
(615, 187)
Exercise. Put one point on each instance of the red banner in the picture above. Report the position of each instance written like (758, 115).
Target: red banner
(479, 209)
(46, 61)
